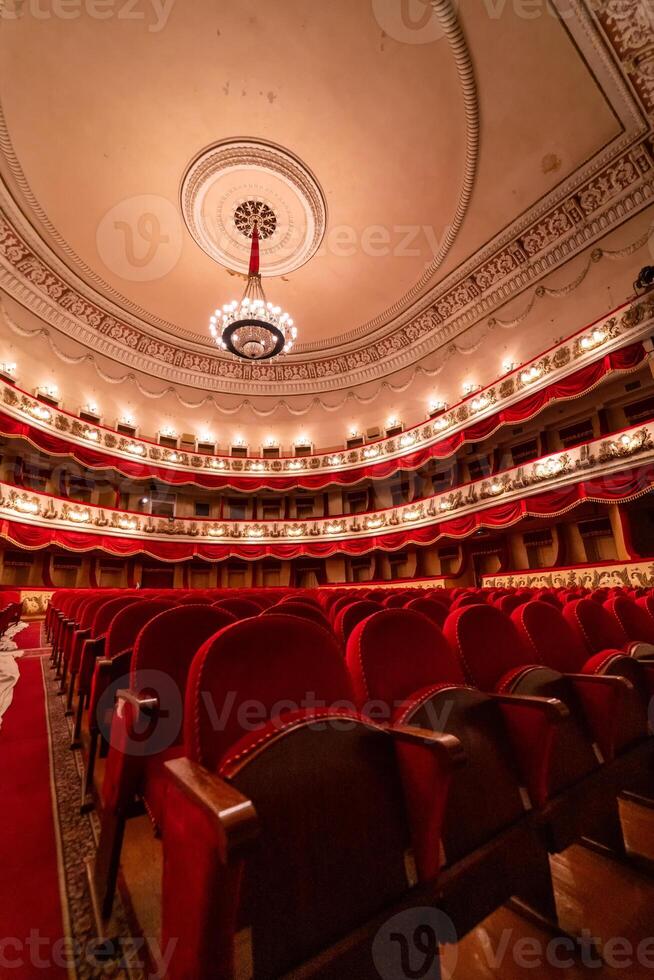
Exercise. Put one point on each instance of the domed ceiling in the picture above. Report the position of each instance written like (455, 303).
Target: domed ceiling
(421, 170)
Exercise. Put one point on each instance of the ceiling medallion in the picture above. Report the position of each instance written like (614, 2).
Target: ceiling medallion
(223, 185)
(253, 329)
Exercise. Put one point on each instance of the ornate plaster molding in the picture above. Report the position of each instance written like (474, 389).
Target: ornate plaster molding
(220, 180)
(633, 574)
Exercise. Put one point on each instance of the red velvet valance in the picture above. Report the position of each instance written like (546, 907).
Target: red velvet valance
(619, 487)
(575, 385)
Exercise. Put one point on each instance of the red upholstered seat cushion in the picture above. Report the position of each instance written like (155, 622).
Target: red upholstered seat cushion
(255, 670)
(550, 638)
(594, 626)
(395, 653)
(487, 644)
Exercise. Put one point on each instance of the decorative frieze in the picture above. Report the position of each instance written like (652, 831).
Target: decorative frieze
(633, 574)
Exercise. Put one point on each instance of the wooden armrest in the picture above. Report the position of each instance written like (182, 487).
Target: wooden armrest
(448, 747)
(232, 814)
(609, 680)
(552, 708)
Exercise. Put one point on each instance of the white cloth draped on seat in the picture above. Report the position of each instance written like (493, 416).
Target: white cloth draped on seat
(9, 674)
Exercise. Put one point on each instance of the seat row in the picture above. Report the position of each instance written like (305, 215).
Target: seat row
(316, 764)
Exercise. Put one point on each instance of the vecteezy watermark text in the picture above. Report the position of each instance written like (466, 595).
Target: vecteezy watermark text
(154, 14)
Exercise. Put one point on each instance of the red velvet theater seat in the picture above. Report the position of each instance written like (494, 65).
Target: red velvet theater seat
(468, 599)
(616, 715)
(611, 650)
(435, 611)
(91, 648)
(146, 728)
(108, 669)
(273, 835)
(402, 667)
(636, 623)
(83, 632)
(302, 609)
(348, 617)
(239, 607)
(576, 794)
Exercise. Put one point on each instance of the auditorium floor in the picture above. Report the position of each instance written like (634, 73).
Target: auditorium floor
(613, 902)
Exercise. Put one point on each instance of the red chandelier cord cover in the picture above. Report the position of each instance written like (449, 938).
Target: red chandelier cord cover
(617, 488)
(574, 386)
(254, 253)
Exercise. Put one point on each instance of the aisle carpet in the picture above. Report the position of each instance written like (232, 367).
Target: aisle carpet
(46, 920)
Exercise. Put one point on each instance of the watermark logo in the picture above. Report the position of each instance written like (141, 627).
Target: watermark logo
(417, 944)
(153, 14)
(409, 21)
(140, 238)
(150, 729)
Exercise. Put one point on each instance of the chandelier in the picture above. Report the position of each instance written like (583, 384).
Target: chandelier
(253, 328)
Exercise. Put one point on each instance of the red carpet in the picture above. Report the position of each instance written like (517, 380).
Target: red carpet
(31, 930)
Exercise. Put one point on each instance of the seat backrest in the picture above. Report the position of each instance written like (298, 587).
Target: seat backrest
(394, 601)
(487, 644)
(274, 664)
(167, 643)
(323, 863)
(75, 606)
(437, 612)
(551, 598)
(594, 626)
(89, 611)
(305, 599)
(507, 603)
(396, 653)
(241, 608)
(467, 599)
(126, 624)
(348, 617)
(107, 610)
(302, 609)
(548, 635)
(337, 605)
(637, 624)
(646, 603)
